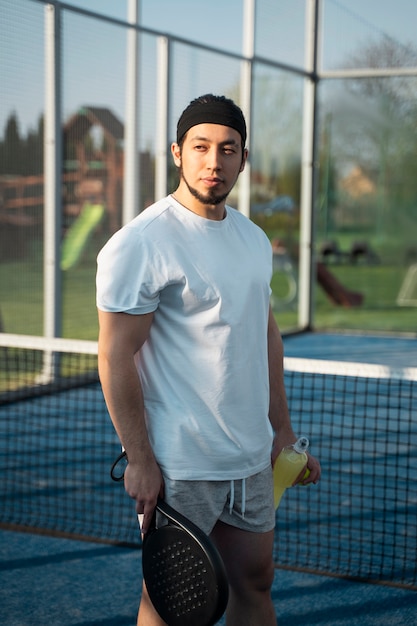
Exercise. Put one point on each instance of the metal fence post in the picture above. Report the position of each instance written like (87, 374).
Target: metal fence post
(131, 149)
(307, 278)
(52, 313)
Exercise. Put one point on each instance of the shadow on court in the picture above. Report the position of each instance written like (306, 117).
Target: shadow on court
(63, 582)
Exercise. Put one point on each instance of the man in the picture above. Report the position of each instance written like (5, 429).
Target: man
(190, 359)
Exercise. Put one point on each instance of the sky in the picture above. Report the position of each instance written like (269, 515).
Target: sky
(219, 23)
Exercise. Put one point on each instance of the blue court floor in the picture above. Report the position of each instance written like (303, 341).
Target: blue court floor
(48, 581)
(393, 351)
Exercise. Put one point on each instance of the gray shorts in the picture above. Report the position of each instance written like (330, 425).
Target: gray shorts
(247, 504)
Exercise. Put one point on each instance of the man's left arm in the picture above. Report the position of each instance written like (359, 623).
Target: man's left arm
(278, 407)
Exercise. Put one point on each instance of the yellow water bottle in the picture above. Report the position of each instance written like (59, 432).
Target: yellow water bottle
(288, 466)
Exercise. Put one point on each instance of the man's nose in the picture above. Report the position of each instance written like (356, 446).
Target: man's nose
(214, 159)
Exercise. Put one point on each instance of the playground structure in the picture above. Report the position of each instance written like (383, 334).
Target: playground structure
(92, 176)
(359, 252)
(78, 235)
(94, 153)
(407, 295)
(283, 265)
(337, 293)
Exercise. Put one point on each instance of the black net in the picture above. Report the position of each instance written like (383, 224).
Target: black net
(360, 520)
(57, 445)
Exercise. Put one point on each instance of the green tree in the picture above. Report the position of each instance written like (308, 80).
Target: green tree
(12, 147)
(33, 149)
(374, 127)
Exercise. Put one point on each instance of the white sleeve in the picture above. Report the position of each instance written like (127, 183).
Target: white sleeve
(127, 280)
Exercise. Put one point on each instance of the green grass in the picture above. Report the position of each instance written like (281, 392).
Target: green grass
(23, 368)
(79, 303)
(379, 312)
(21, 299)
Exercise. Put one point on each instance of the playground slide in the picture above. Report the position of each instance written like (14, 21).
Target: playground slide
(335, 290)
(79, 234)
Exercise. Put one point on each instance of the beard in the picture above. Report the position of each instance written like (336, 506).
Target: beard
(211, 198)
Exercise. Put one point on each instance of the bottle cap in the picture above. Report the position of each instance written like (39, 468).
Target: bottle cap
(301, 445)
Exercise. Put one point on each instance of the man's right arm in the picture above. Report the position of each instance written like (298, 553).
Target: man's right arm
(120, 339)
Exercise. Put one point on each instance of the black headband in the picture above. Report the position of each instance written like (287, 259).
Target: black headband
(221, 111)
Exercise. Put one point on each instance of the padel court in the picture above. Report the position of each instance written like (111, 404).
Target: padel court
(345, 549)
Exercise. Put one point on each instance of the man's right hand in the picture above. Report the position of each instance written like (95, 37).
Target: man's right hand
(144, 485)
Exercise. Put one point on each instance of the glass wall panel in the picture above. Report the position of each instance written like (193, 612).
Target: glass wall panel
(93, 83)
(367, 204)
(110, 8)
(280, 28)
(275, 179)
(21, 167)
(373, 34)
(217, 23)
(367, 195)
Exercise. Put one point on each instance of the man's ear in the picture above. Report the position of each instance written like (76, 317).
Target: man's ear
(176, 154)
(244, 159)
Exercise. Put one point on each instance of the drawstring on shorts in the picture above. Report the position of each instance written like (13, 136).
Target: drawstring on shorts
(232, 497)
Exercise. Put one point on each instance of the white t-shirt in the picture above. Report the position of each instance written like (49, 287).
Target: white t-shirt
(204, 368)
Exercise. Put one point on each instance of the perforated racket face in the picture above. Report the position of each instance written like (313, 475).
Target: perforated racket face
(180, 579)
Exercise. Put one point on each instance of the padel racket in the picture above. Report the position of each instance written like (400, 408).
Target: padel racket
(184, 574)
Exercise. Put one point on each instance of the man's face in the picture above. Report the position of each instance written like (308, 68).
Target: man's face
(210, 161)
